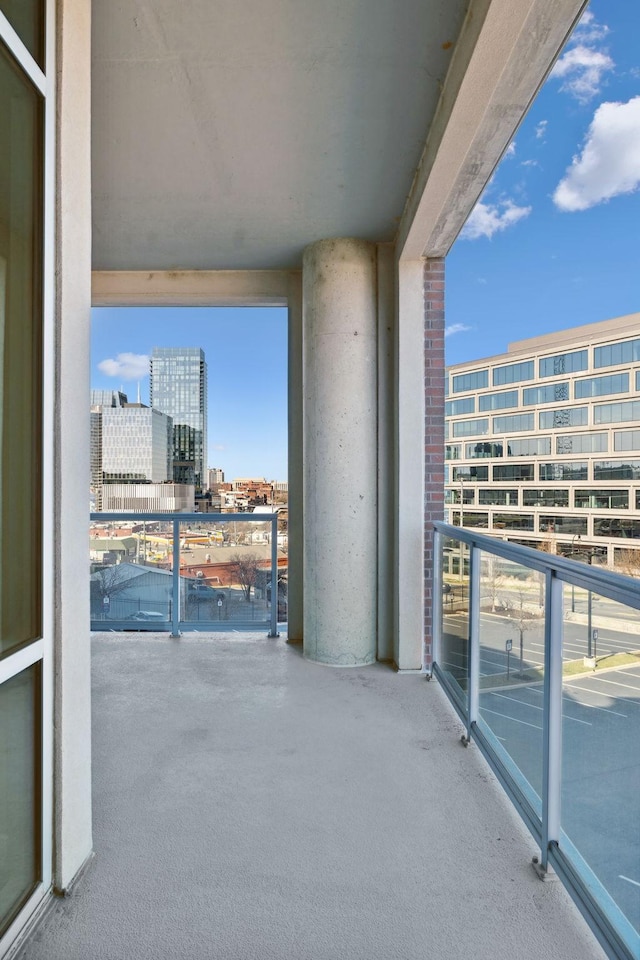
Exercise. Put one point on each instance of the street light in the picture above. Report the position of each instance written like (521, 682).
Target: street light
(575, 537)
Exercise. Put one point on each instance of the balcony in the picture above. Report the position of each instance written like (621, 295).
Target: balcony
(249, 803)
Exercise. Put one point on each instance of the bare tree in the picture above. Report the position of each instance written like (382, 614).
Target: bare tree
(111, 581)
(522, 619)
(627, 562)
(244, 569)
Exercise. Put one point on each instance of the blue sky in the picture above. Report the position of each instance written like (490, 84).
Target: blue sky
(554, 242)
(246, 354)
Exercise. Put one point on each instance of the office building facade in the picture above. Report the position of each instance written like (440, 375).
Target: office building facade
(179, 389)
(543, 443)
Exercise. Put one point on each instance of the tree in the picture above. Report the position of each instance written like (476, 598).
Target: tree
(627, 562)
(244, 569)
(521, 618)
(107, 583)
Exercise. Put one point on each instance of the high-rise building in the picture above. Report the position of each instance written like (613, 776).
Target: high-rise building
(543, 443)
(216, 475)
(130, 443)
(179, 389)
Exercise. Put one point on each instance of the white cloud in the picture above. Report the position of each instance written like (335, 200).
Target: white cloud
(582, 66)
(126, 366)
(529, 163)
(455, 328)
(511, 149)
(541, 129)
(489, 218)
(610, 160)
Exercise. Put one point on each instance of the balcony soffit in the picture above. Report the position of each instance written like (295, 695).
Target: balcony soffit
(231, 135)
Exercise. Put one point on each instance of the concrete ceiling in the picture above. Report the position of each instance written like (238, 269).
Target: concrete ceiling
(229, 134)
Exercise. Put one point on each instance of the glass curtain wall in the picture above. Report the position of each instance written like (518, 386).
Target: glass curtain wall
(23, 181)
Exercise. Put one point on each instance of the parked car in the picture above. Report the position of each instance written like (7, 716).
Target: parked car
(147, 615)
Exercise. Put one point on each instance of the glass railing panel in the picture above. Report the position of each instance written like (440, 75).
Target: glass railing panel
(131, 572)
(511, 641)
(453, 660)
(600, 811)
(225, 572)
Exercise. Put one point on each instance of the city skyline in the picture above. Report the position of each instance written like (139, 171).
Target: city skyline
(552, 244)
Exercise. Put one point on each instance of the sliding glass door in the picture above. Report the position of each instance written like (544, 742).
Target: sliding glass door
(25, 721)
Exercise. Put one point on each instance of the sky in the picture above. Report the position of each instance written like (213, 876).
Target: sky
(246, 353)
(554, 242)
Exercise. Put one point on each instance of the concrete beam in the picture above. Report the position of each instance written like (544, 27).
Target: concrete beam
(505, 50)
(193, 288)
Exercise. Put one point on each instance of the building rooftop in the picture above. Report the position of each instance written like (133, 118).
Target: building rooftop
(249, 803)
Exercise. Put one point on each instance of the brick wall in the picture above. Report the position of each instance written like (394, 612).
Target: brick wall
(433, 429)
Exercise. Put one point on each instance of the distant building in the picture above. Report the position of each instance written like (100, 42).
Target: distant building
(543, 443)
(136, 444)
(148, 497)
(216, 475)
(179, 389)
(130, 444)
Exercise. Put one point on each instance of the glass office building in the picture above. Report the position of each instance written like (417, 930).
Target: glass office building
(179, 389)
(543, 443)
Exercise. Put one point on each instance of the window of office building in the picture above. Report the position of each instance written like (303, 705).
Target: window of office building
(582, 443)
(452, 451)
(513, 373)
(495, 497)
(545, 497)
(564, 471)
(566, 525)
(518, 472)
(617, 412)
(475, 520)
(513, 423)
(567, 417)
(498, 401)
(616, 470)
(564, 363)
(626, 440)
(637, 379)
(471, 428)
(615, 353)
(453, 496)
(548, 393)
(482, 449)
(616, 527)
(470, 473)
(453, 408)
(602, 499)
(601, 386)
(464, 382)
(529, 447)
(513, 521)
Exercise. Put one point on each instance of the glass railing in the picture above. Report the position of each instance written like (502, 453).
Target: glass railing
(540, 656)
(181, 572)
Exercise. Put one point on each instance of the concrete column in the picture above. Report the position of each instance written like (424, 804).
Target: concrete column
(386, 413)
(340, 451)
(409, 467)
(72, 684)
(295, 586)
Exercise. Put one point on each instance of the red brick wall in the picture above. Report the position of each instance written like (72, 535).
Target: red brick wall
(433, 429)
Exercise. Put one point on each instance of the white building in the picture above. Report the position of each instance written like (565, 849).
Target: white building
(148, 498)
(543, 443)
(136, 444)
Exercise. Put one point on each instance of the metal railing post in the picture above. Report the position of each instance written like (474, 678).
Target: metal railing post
(274, 577)
(552, 718)
(175, 605)
(473, 677)
(437, 601)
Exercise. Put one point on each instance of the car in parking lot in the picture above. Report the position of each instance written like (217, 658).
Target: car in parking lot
(147, 615)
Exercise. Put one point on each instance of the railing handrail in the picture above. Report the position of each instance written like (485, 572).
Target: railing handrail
(115, 515)
(614, 586)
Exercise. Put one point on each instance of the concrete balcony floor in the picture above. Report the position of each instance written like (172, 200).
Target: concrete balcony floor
(250, 804)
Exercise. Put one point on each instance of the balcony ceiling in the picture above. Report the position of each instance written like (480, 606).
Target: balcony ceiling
(229, 135)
